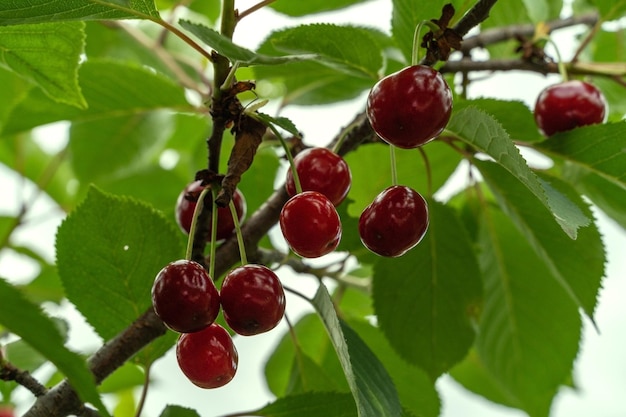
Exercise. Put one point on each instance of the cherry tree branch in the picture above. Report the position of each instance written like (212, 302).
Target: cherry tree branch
(602, 69)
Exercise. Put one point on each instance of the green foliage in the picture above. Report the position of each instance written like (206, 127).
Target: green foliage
(108, 252)
(492, 295)
(40, 332)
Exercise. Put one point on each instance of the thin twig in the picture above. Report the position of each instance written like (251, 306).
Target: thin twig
(254, 8)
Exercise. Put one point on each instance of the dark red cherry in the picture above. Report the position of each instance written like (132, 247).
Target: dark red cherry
(570, 104)
(186, 204)
(310, 224)
(394, 222)
(410, 107)
(185, 297)
(208, 357)
(321, 170)
(253, 300)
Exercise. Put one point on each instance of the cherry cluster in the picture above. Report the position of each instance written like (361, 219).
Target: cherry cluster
(186, 299)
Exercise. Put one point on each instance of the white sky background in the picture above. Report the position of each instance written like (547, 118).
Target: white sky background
(600, 372)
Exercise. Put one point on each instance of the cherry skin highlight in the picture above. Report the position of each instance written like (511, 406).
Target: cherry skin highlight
(225, 224)
(310, 224)
(185, 297)
(208, 358)
(321, 170)
(410, 107)
(567, 105)
(253, 299)
(394, 222)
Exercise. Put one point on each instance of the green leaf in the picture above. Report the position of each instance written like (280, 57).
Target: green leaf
(371, 386)
(482, 131)
(125, 377)
(346, 48)
(282, 122)
(600, 149)
(441, 297)
(608, 196)
(236, 53)
(17, 12)
(303, 8)
(543, 10)
(108, 252)
(415, 388)
(40, 332)
(118, 146)
(178, 411)
(311, 404)
(577, 265)
(529, 329)
(312, 365)
(514, 116)
(112, 89)
(47, 55)
(611, 9)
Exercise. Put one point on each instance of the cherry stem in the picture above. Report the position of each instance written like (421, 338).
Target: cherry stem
(394, 170)
(213, 246)
(560, 63)
(292, 165)
(427, 168)
(344, 134)
(240, 242)
(194, 221)
(415, 52)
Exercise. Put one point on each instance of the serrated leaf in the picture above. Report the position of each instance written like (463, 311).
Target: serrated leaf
(108, 252)
(415, 388)
(18, 12)
(529, 330)
(48, 55)
(40, 332)
(608, 196)
(577, 265)
(178, 411)
(311, 404)
(600, 149)
(371, 386)
(442, 298)
(514, 116)
(112, 89)
(482, 131)
(303, 8)
(244, 56)
(345, 48)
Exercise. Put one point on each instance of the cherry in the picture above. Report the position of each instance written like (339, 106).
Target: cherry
(394, 222)
(253, 300)
(225, 224)
(310, 224)
(6, 411)
(410, 107)
(185, 297)
(321, 170)
(208, 357)
(567, 105)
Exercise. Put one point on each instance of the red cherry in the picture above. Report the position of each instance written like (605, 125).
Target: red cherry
(321, 170)
(208, 357)
(567, 105)
(225, 224)
(410, 107)
(253, 300)
(310, 224)
(6, 411)
(185, 297)
(394, 222)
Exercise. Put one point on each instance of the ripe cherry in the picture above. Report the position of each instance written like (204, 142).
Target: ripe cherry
(6, 411)
(394, 222)
(321, 170)
(410, 107)
(310, 224)
(253, 299)
(225, 224)
(208, 357)
(185, 297)
(567, 105)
